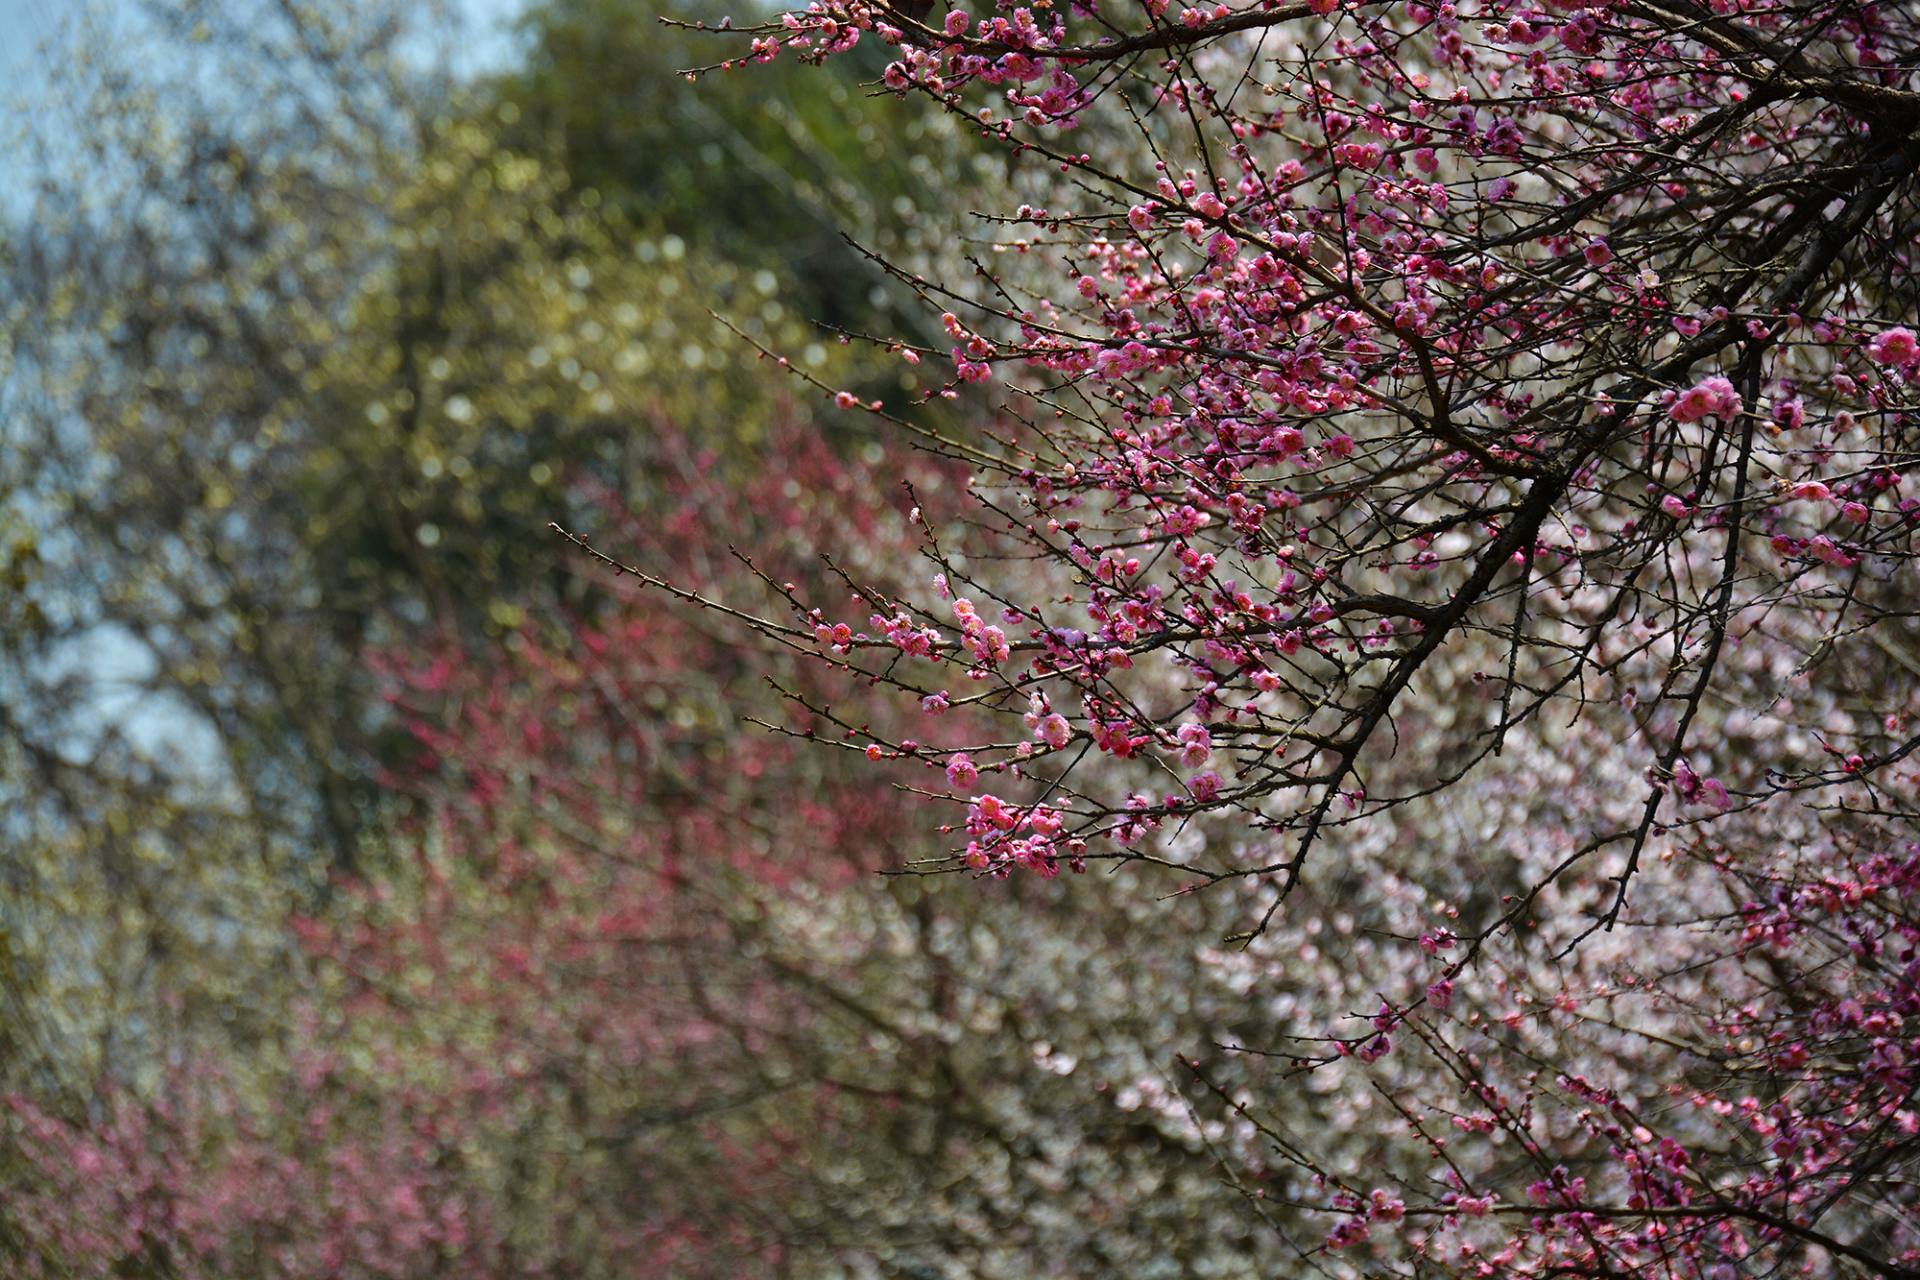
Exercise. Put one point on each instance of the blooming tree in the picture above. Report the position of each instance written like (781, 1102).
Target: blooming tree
(1445, 480)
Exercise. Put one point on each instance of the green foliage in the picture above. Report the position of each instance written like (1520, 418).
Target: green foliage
(768, 166)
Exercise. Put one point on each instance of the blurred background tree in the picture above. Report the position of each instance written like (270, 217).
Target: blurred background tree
(306, 338)
(619, 996)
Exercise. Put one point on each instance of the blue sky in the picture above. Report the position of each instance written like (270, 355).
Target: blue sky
(26, 24)
(22, 25)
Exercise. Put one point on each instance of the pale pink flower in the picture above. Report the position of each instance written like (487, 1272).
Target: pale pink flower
(1055, 731)
(1895, 346)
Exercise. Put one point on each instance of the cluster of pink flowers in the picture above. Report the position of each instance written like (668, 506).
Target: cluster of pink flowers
(911, 638)
(986, 642)
(1032, 837)
(1712, 396)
